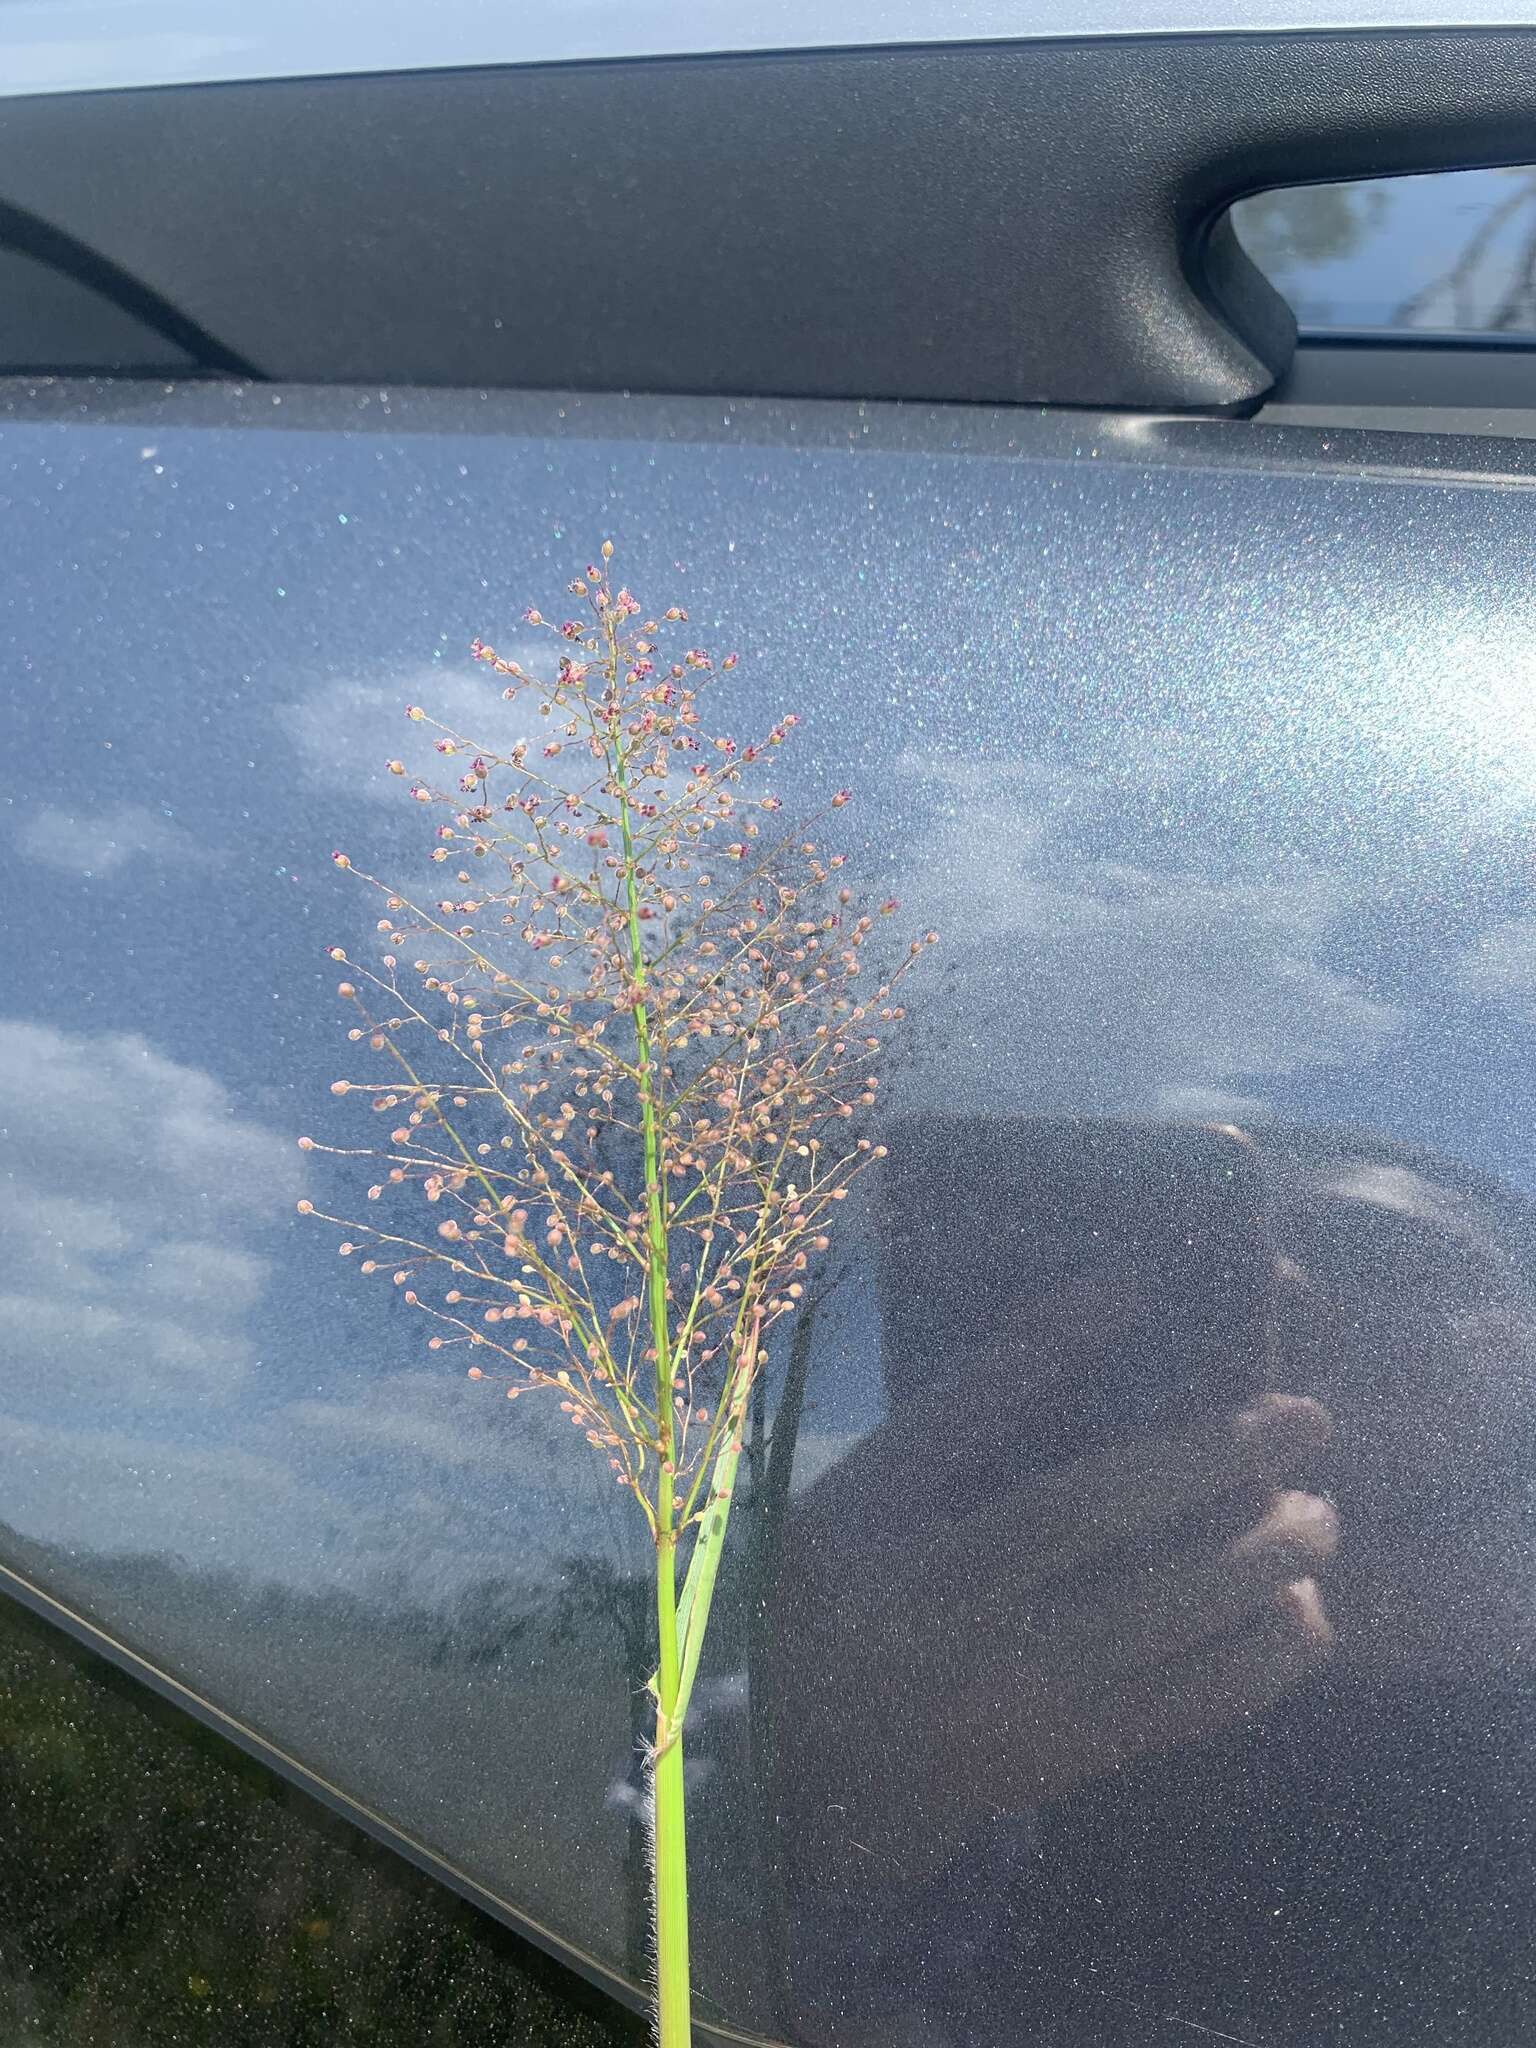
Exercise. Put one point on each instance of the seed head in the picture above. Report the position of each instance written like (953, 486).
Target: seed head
(614, 900)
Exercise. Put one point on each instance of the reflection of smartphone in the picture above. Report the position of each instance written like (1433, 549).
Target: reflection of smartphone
(1093, 1280)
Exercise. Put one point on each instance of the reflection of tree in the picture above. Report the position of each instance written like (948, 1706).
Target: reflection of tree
(595, 1594)
(1307, 224)
(523, 1627)
(772, 1463)
(1488, 286)
(156, 1886)
(1485, 289)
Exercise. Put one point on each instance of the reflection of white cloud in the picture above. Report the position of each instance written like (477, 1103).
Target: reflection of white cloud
(98, 843)
(1501, 961)
(817, 1451)
(300, 1495)
(444, 1442)
(127, 1178)
(1209, 1105)
(1114, 983)
(69, 1343)
(1408, 1194)
(347, 731)
(248, 1503)
(426, 1417)
(1461, 708)
(217, 1277)
(131, 1417)
(118, 1124)
(123, 1490)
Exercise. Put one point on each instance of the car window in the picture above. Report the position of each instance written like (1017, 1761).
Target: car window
(1208, 750)
(1454, 252)
(54, 322)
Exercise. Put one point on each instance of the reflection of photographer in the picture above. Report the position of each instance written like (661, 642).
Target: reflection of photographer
(1167, 1642)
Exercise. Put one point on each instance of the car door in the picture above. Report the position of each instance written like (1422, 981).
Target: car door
(1127, 1629)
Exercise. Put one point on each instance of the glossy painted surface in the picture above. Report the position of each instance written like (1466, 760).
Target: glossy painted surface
(103, 45)
(1211, 751)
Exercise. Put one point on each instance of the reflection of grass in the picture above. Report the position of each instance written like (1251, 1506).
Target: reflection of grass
(157, 1886)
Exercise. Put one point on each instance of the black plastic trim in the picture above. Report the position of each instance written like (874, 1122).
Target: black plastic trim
(1466, 341)
(1034, 222)
(1408, 383)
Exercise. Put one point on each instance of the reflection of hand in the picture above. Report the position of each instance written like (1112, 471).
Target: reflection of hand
(1073, 1623)
(1123, 1640)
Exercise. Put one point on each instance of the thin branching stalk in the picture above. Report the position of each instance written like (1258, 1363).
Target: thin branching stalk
(625, 1076)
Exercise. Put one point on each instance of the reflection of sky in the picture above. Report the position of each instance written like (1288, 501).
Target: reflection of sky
(95, 45)
(1219, 785)
(1211, 786)
(1198, 782)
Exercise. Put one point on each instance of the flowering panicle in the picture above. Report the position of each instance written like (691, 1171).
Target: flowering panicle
(621, 1051)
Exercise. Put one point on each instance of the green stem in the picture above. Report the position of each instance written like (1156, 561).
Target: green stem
(670, 1848)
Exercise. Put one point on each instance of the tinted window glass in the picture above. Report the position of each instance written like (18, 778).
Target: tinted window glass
(1210, 751)
(1455, 252)
(156, 1886)
(50, 321)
